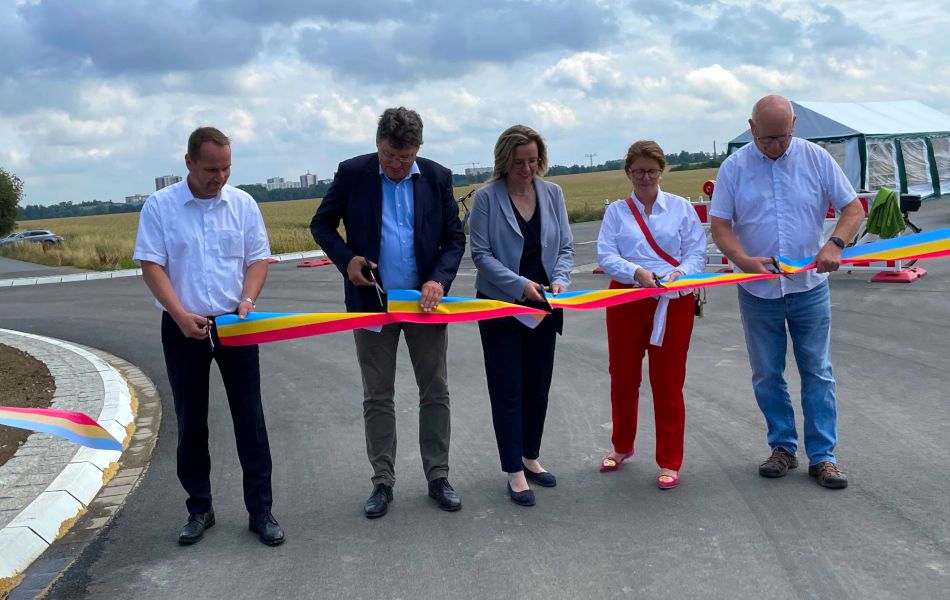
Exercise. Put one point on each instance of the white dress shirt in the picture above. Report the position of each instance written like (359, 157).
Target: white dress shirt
(622, 248)
(778, 207)
(205, 246)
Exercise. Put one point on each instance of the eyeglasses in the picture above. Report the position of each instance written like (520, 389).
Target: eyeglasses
(765, 140)
(641, 173)
(519, 163)
(390, 157)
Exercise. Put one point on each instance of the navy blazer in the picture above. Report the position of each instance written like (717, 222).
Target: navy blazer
(356, 198)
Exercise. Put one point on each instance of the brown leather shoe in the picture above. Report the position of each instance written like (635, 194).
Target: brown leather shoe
(778, 464)
(828, 475)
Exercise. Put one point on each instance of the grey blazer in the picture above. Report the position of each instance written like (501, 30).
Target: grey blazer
(497, 242)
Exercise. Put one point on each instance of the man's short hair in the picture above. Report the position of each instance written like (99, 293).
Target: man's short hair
(205, 134)
(644, 149)
(508, 142)
(401, 127)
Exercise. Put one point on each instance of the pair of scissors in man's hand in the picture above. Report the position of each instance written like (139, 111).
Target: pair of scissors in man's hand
(778, 268)
(369, 274)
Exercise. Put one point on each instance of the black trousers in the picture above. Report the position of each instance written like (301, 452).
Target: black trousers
(519, 364)
(188, 362)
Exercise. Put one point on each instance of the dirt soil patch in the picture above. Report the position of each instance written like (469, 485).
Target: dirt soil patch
(25, 383)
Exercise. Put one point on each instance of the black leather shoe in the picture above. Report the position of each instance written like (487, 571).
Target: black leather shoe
(442, 491)
(378, 502)
(544, 478)
(266, 528)
(525, 498)
(194, 529)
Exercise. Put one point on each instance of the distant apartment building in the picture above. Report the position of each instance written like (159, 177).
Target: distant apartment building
(308, 180)
(137, 198)
(166, 180)
(278, 183)
(471, 172)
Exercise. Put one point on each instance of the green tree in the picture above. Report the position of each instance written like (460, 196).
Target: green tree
(11, 190)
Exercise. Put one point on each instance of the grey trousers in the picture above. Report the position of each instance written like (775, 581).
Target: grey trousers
(376, 353)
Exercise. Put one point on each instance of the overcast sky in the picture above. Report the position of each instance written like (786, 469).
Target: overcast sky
(97, 97)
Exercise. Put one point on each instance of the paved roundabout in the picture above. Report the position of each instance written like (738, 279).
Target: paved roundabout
(724, 533)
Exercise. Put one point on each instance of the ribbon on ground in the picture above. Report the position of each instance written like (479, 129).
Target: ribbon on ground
(73, 426)
(404, 306)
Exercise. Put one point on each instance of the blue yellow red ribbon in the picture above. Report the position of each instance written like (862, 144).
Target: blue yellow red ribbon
(261, 327)
(930, 244)
(73, 426)
(404, 305)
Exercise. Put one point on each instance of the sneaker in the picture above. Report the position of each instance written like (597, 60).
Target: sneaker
(778, 464)
(828, 475)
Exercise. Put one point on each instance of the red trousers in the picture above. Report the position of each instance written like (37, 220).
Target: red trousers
(628, 338)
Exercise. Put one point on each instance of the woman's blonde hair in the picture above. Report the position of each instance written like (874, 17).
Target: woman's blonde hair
(508, 142)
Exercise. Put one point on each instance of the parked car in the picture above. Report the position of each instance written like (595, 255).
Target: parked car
(39, 236)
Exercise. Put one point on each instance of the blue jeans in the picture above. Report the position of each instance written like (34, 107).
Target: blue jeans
(808, 315)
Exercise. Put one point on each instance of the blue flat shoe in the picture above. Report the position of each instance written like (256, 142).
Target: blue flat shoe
(525, 498)
(544, 478)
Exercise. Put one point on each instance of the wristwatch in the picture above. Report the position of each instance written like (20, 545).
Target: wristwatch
(251, 300)
(837, 241)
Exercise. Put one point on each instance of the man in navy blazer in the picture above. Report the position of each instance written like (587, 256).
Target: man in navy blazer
(402, 232)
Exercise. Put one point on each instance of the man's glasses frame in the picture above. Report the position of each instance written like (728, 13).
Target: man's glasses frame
(765, 140)
(390, 158)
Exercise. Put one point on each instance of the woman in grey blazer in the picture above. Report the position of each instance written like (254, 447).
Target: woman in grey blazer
(521, 244)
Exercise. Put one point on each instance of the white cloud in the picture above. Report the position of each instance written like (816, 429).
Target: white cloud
(75, 129)
(586, 71)
(855, 68)
(769, 78)
(555, 115)
(336, 118)
(717, 81)
(60, 129)
(241, 126)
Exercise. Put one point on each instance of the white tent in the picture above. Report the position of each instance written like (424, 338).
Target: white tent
(901, 145)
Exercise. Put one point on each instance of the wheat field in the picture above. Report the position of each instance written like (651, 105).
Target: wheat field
(105, 242)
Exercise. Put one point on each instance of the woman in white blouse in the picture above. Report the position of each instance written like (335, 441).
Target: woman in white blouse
(667, 241)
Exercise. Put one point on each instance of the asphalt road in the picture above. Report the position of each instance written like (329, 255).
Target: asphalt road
(724, 533)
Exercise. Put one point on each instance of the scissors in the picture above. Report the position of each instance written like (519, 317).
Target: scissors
(372, 277)
(656, 280)
(778, 268)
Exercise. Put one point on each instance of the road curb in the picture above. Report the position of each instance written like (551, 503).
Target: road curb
(101, 383)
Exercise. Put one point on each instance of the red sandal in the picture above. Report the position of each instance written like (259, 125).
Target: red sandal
(667, 482)
(610, 464)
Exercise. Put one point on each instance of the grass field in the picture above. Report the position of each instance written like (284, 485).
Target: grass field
(105, 242)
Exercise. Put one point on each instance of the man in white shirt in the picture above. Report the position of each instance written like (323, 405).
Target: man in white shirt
(202, 248)
(770, 200)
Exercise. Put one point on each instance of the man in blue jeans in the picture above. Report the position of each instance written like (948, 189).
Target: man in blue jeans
(770, 200)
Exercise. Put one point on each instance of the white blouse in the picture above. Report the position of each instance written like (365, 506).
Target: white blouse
(622, 248)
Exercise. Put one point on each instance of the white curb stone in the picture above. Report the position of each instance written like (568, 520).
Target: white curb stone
(19, 546)
(27, 535)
